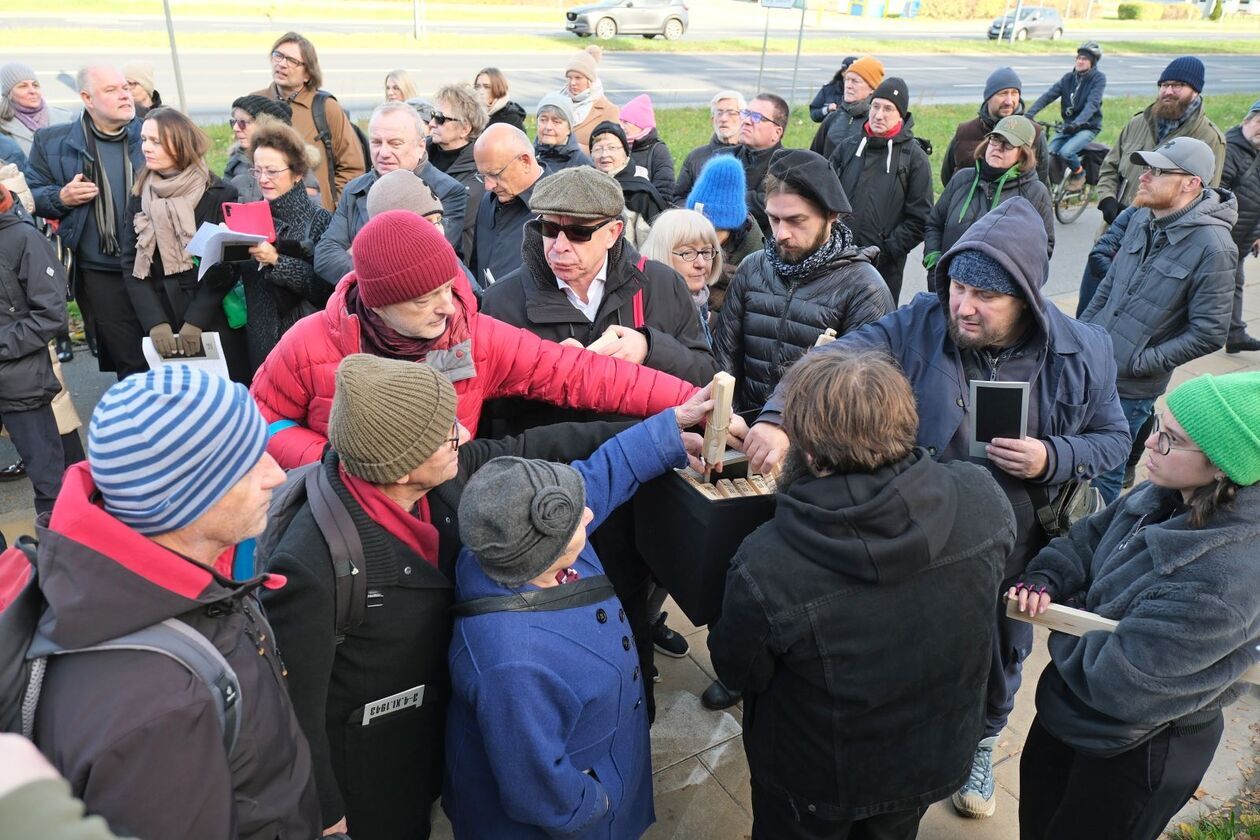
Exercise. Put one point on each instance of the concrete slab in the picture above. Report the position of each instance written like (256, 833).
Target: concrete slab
(692, 805)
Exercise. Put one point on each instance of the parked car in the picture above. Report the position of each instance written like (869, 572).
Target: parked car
(648, 18)
(1034, 22)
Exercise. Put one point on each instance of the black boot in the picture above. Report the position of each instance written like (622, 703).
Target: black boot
(1241, 343)
(718, 696)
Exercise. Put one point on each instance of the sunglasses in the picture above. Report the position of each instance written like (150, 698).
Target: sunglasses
(756, 117)
(442, 119)
(234, 123)
(573, 233)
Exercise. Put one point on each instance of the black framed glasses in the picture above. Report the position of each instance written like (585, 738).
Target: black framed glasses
(484, 176)
(573, 233)
(1163, 439)
(756, 117)
(289, 61)
(1000, 143)
(1157, 172)
(453, 440)
(689, 254)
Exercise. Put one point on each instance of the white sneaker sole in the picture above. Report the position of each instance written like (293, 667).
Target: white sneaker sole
(974, 807)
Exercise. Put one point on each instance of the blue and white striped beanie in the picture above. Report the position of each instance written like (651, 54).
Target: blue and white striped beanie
(165, 445)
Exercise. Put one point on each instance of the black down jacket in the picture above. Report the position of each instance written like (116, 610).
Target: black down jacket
(768, 322)
(32, 312)
(1241, 176)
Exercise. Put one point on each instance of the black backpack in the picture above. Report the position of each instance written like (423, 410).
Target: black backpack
(319, 113)
(24, 650)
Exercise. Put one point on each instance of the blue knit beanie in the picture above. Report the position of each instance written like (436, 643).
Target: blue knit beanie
(165, 445)
(1002, 79)
(1186, 69)
(719, 193)
(980, 271)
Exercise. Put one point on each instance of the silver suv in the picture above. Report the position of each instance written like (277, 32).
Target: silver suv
(611, 18)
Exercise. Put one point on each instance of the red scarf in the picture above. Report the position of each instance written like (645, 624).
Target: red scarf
(413, 529)
(380, 340)
(887, 135)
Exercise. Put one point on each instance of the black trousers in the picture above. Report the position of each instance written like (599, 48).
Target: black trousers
(35, 437)
(776, 818)
(104, 302)
(1131, 796)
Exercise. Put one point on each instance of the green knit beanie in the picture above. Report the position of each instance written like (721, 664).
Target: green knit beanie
(1222, 415)
(388, 416)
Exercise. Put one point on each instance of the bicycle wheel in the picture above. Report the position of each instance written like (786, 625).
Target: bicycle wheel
(1070, 204)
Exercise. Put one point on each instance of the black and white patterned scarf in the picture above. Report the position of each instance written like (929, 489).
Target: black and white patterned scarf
(841, 240)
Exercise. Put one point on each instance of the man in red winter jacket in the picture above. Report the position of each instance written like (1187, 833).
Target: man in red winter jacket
(407, 298)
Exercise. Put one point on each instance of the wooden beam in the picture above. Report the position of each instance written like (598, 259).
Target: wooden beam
(1076, 622)
(719, 420)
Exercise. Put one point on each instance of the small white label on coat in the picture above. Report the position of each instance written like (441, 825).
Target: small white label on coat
(50, 271)
(393, 703)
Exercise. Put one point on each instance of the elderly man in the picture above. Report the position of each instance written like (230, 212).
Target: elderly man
(761, 129)
(507, 165)
(396, 135)
(82, 172)
(1166, 298)
(991, 322)
(724, 111)
(1176, 112)
(860, 80)
(1003, 96)
(135, 561)
(1241, 176)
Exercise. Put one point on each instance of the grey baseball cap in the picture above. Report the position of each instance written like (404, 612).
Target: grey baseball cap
(1255, 108)
(1184, 153)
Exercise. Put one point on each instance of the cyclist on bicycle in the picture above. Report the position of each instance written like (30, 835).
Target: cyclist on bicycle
(1080, 93)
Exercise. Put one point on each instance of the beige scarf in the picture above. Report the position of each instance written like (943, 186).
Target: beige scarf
(497, 104)
(167, 219)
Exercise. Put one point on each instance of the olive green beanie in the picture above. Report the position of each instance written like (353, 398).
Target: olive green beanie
(388, 416)
(1222, 415)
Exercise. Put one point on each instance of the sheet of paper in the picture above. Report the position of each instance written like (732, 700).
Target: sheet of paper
(212, 362)
(207, 243)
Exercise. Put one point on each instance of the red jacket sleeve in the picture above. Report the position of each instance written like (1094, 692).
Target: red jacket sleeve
(283, 389)
(517, 363)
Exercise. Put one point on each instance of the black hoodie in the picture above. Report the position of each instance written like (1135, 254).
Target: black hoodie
(857, 624)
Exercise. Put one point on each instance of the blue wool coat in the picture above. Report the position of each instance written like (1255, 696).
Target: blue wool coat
(547, 732)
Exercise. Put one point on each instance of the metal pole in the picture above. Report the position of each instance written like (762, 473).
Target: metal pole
(415, 19)
(1089, 9)
(1019, 7)
(179, 75)
(424, 20)
(765, 37)
(796, 64)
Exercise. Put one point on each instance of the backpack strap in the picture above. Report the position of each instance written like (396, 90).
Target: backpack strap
(581, 593)
(346, 548)
(172, 638)
(319, 114)
(637, 300)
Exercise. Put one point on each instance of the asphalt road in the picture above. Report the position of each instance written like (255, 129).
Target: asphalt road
(213, 79)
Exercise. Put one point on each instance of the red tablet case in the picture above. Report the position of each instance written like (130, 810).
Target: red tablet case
(254, 217)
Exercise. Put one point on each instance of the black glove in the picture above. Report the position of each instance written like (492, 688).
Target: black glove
(1070, 128)
(1110, 209)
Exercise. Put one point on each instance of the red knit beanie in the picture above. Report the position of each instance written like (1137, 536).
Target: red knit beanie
(399, 256)
(6, 199)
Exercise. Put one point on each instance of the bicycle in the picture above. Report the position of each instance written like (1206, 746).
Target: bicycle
(1072, 195)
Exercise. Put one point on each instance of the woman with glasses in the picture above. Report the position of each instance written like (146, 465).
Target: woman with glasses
(399, 87)
(281, 286)
(174, 195)
(611, 152)
(687, 242)
(1128, 721)
(1006, 166)
(555, 145)
(457, 121)
(492, 89)
(143, 87)
(247, 111)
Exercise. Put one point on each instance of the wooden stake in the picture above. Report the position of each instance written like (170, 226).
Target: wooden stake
(826, 337)
(608, 337)
(719, 421)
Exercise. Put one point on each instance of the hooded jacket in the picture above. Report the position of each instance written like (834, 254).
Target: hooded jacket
(889, 184)
(650, 152)
(294, 387)
(838, 126)
(961, 151)
(1073, 404)
(768, 322)
(134, 733)
(556, 156)
(969, 195)
(1080, 98)
(857, 623)
(1241, 176)
(694, 162)
(1118, 177)
(32, 313)
(1168, 295)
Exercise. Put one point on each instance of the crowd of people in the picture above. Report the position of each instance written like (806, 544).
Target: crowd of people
(463, 353)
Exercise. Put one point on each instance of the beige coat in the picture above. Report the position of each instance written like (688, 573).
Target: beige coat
(1119, 178)
(601, 110)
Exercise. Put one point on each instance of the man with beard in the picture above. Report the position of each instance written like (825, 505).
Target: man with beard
(1176, 112)
(846, 119)
(991, 322)
(1167, 297)
(724, 110)
(1003, 96)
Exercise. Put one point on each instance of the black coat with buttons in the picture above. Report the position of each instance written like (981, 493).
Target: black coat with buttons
(384, 777)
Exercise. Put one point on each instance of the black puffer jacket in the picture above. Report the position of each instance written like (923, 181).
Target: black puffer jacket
(555, 156)
(857, 624)
(464, 170)
(511, 114)
(32, 312)
(767, 323)
(1241, 176)
(694, 162)
(840, 125)
(889, 184)
(650, 152)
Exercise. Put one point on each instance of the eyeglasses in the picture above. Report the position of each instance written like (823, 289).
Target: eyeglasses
(453, 440)
(235, 123)
(689, 254)
(289, 61)
(1000, 144)
(442, 119)
(756, 117)
(269, 174)
(1163, 439)
(485, 176)
(573, 233)
(606, 150)
(1156, 172)
(726, 112)
(1172, 85)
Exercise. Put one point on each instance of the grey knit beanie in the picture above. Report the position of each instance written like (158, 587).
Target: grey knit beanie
(580, 192)
(1003, 78)
(518, 515)
(401, 189)
(561, 103)
(12, 73)
(388, 416)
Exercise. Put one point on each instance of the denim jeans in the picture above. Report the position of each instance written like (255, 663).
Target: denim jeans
(1135, 412)
(1068, 146)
